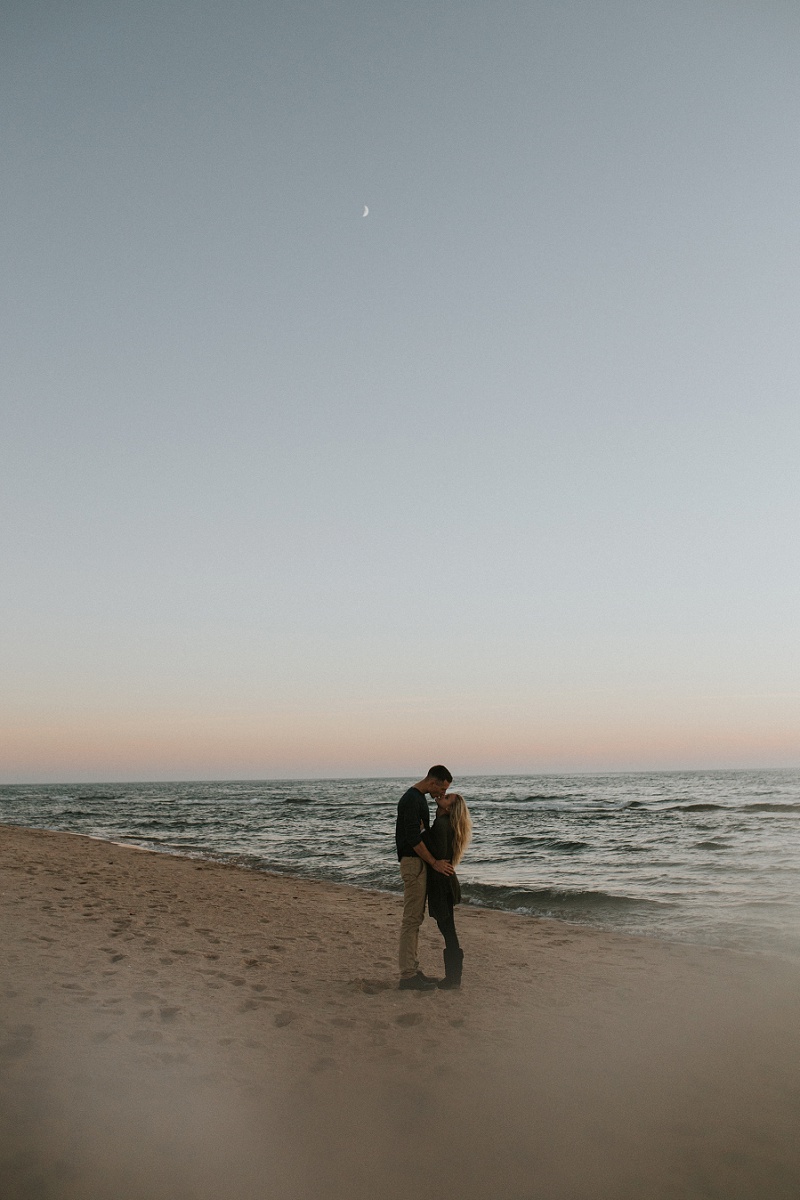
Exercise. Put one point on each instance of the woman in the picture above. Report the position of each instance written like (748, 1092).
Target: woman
(448, 838)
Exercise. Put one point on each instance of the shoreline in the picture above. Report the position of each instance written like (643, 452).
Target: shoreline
(695, 860)
(139, 981)
(768, 953)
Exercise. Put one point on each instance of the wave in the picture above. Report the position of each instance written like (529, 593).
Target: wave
(761, 806)
(549, 843)
(773, 808)
(140, 826)
(696, 807)
(552, 901)
(80, 813)
(533, 799)
(547, 796)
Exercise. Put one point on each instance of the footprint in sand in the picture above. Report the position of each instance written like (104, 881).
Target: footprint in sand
(146, 1037)
(284, 1018)
(236, 980)
(371, 987)
(254, 1003)
(322, 1064)
(409, 1018)
(18, 1044)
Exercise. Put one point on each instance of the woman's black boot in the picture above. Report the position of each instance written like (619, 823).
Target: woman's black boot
(453, 964)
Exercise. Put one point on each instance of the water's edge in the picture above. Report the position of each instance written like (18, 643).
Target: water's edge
(236, 862)
(706, 858)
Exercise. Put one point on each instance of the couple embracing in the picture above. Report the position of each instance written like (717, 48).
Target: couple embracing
(428, 855)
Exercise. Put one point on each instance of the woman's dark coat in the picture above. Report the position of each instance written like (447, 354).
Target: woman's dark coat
(443, 890)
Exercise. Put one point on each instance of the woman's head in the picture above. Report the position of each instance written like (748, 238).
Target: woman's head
(460, 822)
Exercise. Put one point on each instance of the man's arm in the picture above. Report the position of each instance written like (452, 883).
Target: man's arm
(439, 864)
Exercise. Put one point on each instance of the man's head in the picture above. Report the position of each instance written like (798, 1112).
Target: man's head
(437, 781)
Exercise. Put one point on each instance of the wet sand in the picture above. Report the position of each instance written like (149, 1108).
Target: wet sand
(183, 1030)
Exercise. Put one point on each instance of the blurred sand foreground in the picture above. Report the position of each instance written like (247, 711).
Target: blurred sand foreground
(176, 1030)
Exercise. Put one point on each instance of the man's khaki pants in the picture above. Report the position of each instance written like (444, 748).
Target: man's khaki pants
(414, 874)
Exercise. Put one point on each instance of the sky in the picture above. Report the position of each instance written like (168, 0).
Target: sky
(503, 474)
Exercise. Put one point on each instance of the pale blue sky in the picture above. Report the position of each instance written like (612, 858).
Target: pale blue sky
(504, 473)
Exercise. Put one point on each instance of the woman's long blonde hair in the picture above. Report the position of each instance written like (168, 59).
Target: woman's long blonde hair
(461, 825)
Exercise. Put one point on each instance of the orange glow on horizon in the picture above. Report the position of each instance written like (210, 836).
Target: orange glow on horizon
(196, 746)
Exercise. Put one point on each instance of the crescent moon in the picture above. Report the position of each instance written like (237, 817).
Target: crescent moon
(365, 212)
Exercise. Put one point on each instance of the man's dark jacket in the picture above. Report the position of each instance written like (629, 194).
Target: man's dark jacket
(413, 819)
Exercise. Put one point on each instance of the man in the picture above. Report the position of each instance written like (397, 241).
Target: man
(413, 819)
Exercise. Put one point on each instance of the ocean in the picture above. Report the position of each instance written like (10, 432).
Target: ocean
(709, 857)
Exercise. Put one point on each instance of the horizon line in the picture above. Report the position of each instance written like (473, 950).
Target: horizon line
(738, 770)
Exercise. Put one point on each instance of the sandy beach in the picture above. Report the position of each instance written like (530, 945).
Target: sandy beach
(182, 1029)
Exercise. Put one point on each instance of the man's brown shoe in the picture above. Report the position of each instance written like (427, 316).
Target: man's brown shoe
(428, 978)
(417, 983)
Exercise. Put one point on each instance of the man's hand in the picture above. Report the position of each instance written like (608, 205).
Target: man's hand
(438, 864)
